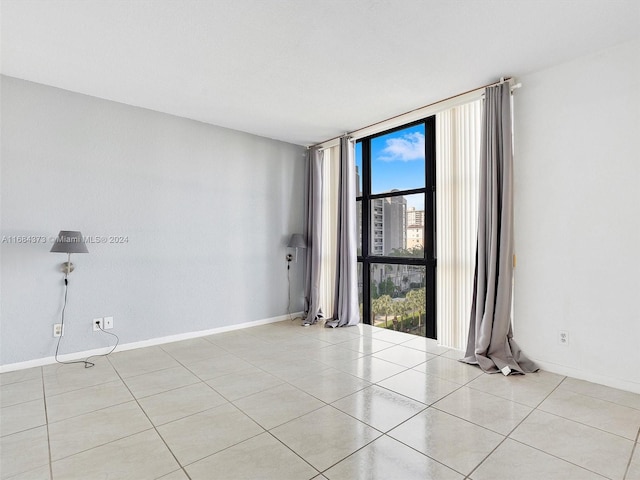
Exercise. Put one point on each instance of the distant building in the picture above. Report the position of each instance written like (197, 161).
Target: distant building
(415, 236)
(415, 217)
(395, 223)
(377, 227)
(415, 228)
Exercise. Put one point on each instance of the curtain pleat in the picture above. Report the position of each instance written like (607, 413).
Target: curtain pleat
(346, 309)
(490, 341)
(331, 176)
(457, 177)
(314, 236)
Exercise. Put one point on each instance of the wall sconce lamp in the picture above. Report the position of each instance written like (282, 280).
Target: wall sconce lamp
(69, 242)
(296, 241)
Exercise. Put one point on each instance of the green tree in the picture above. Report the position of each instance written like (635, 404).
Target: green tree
(413, 303)
(399, 309)
(421, 299)
(385, 305)
(373, 289)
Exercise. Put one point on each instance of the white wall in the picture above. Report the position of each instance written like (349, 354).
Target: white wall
(207, 212)
(578, 216)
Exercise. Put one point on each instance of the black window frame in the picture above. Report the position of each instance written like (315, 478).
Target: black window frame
(429, 260)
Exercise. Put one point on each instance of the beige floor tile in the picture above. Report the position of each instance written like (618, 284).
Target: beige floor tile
(621, 397)
(193, 350)
(419, 386)
(325, 436)
(450, 370)
(386, 458)
(607, 416)
(428, 345)
(513, 460)
(142, 360)
(334, 355)
(161, 381)
(231, 341)
(261, 457)
(14, 393)
(633, 473)
(85, 400)
(593, 449)
(21, 375)
(378, 407)
(391, 335)
(218, 366)
(90, 430)
(60, 378)
(22, 416)
(293, 369)
(543, 376)
(365, 345)
(23, 452)
(264, 370)
(40, 473)
(405, 356)
(297, 343)
(452, 441)
(371, 369)
(483, 409)
(143, 456)
(181, 402)
(517, 388)
(244, 383)
(277, 405)
(177, 475)
(329, 385)
(331, 335)
(197, 436)
(453, 354)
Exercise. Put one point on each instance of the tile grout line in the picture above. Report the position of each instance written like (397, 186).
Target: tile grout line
(46, 419)
(152, 424)
(508, 435)
(633, 450)
(265, 430)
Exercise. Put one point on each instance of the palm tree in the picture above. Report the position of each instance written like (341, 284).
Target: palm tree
(399, 309)
(413, 303)
(421, 298)
(385, 308)
(375, 308)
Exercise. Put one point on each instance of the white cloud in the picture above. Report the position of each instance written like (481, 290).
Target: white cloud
(404, 149)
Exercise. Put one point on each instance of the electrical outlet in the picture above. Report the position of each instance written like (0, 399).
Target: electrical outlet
(108, 323)
(98, 324)
(563, 337)
(57, 330)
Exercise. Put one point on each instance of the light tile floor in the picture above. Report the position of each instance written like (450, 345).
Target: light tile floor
(281, 401)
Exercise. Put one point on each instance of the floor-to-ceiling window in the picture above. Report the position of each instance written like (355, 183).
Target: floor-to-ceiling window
(395, 196)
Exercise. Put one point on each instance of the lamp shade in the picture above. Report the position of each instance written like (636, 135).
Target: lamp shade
(69, 242)
(297, 241)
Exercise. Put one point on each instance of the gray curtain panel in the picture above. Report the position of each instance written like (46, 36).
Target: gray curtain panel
(314, 236)
(346, 309)
(491, 344)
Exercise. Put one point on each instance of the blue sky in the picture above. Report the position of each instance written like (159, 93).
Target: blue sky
(397, 161)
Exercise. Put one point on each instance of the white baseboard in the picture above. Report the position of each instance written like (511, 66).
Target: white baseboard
(38, 362)
(621, 384)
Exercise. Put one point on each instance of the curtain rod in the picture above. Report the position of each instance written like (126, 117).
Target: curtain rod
(502, 80)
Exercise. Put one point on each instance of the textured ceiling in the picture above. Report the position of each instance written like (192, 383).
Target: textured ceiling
(300, 71)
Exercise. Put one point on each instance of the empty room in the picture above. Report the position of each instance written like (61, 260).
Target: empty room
(294, 239)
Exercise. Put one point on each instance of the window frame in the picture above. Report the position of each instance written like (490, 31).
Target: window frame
(429, 261)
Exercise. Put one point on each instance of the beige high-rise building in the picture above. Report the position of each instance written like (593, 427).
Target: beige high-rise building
(415, 228)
